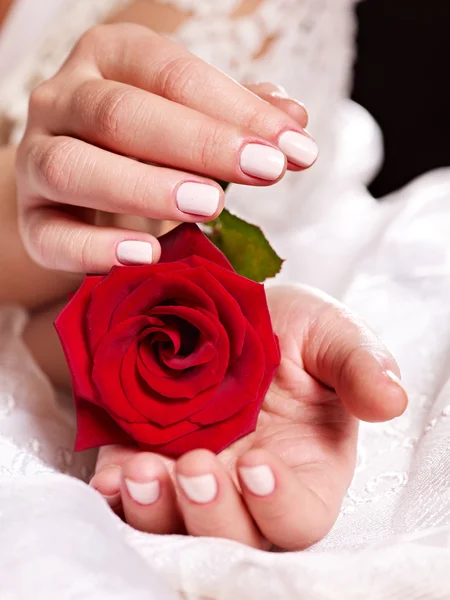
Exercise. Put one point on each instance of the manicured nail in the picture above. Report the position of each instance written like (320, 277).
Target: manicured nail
(262, 161)
(143, 492)
(259, 480)
(134, 252)
(198, 198)
(201, 489)
(266, 87)
(299, 148)
(394, 378)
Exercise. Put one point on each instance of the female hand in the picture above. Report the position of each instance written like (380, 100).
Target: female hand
(285, 482)
(126, 93)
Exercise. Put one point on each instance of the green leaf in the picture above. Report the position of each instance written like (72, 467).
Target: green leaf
(245, 246)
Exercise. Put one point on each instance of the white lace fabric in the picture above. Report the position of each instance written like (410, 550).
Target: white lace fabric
(390, 262)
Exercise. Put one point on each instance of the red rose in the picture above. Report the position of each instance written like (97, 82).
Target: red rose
(173, 356)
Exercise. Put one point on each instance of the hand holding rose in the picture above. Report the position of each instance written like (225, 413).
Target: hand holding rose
(126, 93)
(285, 482)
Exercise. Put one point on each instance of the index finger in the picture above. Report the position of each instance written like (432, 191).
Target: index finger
(136, 56)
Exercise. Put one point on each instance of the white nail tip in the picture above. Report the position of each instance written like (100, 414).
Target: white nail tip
(262, 161)
(134, 252)
(259, 480)
(143, 492)
(198, 198)
(299, 148)
(394, 378)
(201, 489)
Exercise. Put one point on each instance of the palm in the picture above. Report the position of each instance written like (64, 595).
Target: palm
(302, 421)
(306, 436)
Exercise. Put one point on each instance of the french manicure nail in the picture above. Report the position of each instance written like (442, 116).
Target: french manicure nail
(201, 488)
(262, 161)
(394, 378)
(198, 198)
(259, 480)
(299, 148)
(134, 252)
(143, 492)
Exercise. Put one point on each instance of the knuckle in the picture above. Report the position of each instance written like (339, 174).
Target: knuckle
(86, 245)
(208, 145)
(111, 36)
(91, 38)
(180, 78)
(42, 99)
(114, 110)
(260, 120)
(54, 163)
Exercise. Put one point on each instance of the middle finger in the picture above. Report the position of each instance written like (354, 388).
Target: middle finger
(136, 123)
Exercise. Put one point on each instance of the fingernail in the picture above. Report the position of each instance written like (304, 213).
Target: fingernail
(259, 480)
(265, 87)
(198, 198)
(134, 252)
(299, 148)
(113, 500)
(201, 489)
(394, 378)
(143, 492)
(262, 161)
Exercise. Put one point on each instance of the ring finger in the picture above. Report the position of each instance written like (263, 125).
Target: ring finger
(209, 501)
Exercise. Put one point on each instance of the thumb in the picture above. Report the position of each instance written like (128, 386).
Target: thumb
(344, 354)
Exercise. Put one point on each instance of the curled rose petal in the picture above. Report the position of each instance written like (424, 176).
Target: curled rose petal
(71, 328)
(112, 290)
(186, 240)
(242, 383)
(168, 288)
(96, 428)
(215, 437)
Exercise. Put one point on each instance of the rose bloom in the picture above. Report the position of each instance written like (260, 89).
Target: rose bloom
(171, 357)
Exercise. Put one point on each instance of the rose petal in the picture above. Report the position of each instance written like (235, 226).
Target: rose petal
(96, 428)
(228, 309)
(160, 410)
(240, 386)
(106, 372)
(209, 329)
(176, 288)
(216, 437)
(150, 434)
(112, 290)
(196, 377)
(188, 239)
(70, 326)
(251, 298)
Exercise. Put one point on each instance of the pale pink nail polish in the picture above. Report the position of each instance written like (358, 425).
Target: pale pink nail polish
(143, 492)
(259, 480)
(199, 488)
(300, 149)
(262, 161)
(134, 252)
(198, 198)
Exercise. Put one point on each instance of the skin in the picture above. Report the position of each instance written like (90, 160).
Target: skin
(79, 135)
(306, 434)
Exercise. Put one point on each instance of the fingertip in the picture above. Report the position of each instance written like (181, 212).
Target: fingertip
(376, 397)
(144, 466)
(294, 108)
(107, 483)
(196, 462)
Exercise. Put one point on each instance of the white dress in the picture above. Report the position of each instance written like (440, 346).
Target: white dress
(390, 262)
